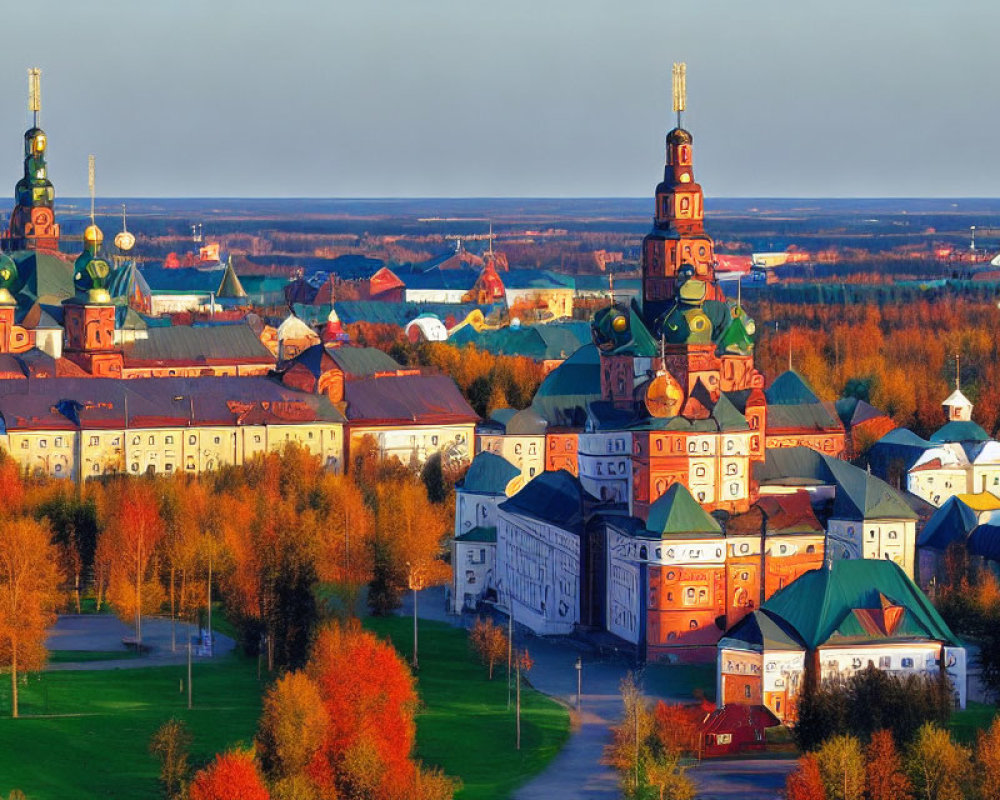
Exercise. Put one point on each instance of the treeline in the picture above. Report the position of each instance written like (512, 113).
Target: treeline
(901, 358)
(879, 736)
(487, 381)
(273, 540)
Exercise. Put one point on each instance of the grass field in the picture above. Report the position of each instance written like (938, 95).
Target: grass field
(81, 656)
(974, 718)
(464, 726)
(84, 734)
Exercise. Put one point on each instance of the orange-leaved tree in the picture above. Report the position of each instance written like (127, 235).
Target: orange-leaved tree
(29, 594)
(232, 776)
(489, 642)
(884, 775)
(133, 528)
(292, 728)
(805, 782)
(369, 696)
(410, 533)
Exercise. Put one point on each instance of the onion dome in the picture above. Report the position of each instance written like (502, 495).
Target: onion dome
(125, 241)
(8, 279)
(90, 271)
(679, 136)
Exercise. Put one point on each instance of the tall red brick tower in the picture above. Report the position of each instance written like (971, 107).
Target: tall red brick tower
(33, 222)
(678, 236)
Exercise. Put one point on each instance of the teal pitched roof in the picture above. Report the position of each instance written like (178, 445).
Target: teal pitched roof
(677, 512)
(959, 431)
(790, 389)
(858, 495)
(818, 602)
(489, 474)
(556, 340)
(863, 496)
(563, 396)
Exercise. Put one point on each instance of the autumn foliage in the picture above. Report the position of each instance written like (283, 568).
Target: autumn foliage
(869, 351)
(344, 726)
(232, 776)
(489, 642)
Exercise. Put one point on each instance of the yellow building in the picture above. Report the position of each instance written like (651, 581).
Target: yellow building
(80, 429)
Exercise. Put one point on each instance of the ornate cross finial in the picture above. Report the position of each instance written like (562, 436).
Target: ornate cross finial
(91, 185)
(958, 372)
(35, 92)
(611, 284)
(680, 89)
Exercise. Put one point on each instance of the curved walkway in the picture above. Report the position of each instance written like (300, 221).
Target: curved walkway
(577, 771)
(105, 632)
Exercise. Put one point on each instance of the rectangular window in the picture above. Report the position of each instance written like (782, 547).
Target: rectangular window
(43, 443)
(192, 439)
(58, 442)
(168, 440)
(95, 441)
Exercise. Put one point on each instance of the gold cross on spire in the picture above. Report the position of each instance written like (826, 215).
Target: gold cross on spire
(91, 185)
(680, 89)
(35, 92)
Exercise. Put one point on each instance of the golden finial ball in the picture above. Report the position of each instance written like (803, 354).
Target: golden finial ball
(619, 324)
(93, 235)
(125, 241)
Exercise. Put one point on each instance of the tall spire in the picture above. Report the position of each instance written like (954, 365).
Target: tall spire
(35, 94)
(91, 185)
(680, 89)
(958, 373)
(32, 222)
(678, 238)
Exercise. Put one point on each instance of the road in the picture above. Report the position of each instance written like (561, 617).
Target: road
(577, 771)
(104, 632)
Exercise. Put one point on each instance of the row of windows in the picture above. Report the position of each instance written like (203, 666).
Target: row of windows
(95, 441)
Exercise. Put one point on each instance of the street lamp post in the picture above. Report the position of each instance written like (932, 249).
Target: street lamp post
(579, 680)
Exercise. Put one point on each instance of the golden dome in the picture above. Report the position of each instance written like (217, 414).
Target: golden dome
(93, 235)
(125, 241)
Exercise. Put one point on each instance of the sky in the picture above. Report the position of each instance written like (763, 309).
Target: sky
(462, 98)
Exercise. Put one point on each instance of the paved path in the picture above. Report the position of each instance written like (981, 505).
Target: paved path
(577, 771)
(104, 632)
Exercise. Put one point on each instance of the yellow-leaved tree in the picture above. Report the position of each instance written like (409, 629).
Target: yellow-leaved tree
(29, 594)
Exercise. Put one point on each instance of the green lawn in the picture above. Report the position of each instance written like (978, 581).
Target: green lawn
(974, 718)
(79, 656)
(84, 734)
(464, 726)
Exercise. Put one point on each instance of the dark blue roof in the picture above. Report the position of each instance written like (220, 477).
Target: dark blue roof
(553, 497)
(951, 523)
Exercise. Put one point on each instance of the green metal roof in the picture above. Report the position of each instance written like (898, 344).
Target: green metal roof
(198, 345)
(959, 431)
(677, 512)
(479, 534)
(363, 361)
(790, 389)
(859, 495)
(43, 277)
(807, 416)
(563, 396)
(818, 602)
(489, 474)
(230, 286)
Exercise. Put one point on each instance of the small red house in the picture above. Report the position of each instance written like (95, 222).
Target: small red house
(735, 729)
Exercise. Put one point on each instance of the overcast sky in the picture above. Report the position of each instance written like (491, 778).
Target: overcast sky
(383, 98)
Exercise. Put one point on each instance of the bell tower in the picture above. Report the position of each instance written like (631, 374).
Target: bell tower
(678, 237)
(33, 222)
